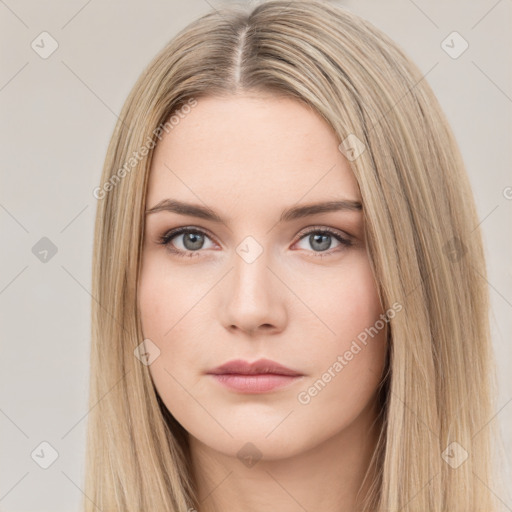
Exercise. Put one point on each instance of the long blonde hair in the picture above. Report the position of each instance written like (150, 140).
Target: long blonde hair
(423, 242)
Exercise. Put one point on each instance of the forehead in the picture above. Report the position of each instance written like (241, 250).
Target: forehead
(251, 148)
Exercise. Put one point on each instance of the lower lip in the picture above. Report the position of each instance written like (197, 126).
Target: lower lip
(260, 383)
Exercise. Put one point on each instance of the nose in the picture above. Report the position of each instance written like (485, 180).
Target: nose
(253, 299)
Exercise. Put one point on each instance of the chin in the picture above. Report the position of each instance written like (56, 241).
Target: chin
(251, 439)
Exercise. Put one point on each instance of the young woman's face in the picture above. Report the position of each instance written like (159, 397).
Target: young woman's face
(260, 283)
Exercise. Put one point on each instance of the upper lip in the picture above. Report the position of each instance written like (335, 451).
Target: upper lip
(241, 367)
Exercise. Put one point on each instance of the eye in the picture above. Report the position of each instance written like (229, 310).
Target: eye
(192, 240)
(320, 239)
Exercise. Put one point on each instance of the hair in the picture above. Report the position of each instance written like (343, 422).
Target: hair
(423, 242)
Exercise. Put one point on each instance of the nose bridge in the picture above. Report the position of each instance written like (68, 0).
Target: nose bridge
(252, 298)
(251, 275)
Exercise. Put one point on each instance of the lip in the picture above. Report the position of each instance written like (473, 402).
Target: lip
(260, 376)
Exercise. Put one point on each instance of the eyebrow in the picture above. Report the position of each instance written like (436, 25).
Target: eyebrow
(293, 213)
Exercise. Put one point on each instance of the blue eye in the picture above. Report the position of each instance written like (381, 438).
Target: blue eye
(193, 240)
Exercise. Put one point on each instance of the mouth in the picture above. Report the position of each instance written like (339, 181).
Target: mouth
(261, 376)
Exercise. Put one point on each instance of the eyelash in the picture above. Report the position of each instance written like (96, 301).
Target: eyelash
(167, 237)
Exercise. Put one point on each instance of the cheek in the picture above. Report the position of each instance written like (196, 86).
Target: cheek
(358, 301)
(347, 302)
(172, 320)
(348, 363)
(151, 296)
(166, 300)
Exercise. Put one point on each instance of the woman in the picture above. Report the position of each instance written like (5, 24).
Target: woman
(289, 309)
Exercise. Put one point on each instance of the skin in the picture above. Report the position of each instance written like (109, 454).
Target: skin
(249, 157)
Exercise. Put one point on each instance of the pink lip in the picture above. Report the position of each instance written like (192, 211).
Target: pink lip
(257, 377)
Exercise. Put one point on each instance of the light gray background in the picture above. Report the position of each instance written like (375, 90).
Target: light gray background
(57, 116)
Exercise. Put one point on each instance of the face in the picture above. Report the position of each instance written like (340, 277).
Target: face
(240, 280)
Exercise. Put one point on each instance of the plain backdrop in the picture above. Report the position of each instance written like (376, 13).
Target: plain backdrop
(57, 116)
